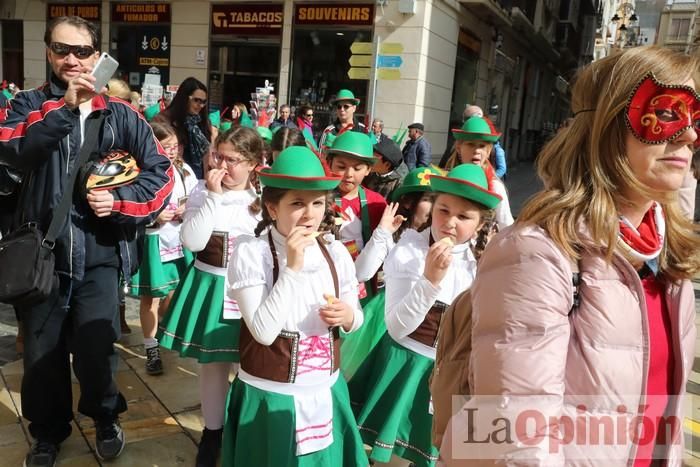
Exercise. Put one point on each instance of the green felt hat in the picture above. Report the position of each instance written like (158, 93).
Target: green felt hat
(246, 121)
(151, 111)
(215, 119)
(297, 168)
(309, 137)
(416, 180)
(466, 181)
(345, 95)
(265, 133)
(477, 129)
(353, 144)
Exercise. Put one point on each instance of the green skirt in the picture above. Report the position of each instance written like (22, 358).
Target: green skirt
(155, 278)
(193, 324)
(391, 397)
(357, 345)
(260, 431)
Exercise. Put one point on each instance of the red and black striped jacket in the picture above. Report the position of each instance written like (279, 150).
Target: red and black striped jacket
(41, 137)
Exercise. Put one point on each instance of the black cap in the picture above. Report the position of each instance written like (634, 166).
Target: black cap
(417, 126)
(389, 151)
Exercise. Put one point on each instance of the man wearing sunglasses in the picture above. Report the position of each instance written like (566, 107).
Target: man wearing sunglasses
(345, 105)
(41, 134)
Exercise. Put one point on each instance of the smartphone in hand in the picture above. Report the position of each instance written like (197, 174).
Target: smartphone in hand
(104, 69)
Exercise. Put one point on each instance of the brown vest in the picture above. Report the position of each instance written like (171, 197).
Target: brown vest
(278, 361)
(427, 332)
(216, 252)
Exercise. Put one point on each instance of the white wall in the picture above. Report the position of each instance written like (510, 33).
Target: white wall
(424, 92)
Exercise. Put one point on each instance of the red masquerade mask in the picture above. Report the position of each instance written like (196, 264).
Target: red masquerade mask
(658, 113)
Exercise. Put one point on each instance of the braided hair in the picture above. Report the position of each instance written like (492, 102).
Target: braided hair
(487, 230)
(407, 208)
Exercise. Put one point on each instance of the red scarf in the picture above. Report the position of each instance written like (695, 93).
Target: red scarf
(646, 240)
(643, 243)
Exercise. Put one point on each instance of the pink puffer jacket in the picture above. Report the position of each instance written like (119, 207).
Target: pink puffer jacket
(530, 354)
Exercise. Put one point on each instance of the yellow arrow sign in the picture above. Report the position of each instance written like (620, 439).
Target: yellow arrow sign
(358, 73)
(388, 73)
(361, 48)
(360, 60)
(391, 48)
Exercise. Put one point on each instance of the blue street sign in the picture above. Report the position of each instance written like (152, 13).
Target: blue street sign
(389, 61)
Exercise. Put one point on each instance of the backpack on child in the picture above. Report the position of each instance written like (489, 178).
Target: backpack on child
(450, 377)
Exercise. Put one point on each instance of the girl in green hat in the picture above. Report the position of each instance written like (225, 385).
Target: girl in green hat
(411, 208)
(202, 322)
(296, 289)
(473, 145)
(424, 272)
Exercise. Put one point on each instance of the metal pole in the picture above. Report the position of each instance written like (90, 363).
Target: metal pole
(373, 77)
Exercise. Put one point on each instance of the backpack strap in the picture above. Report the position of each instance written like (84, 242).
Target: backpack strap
(576, 282)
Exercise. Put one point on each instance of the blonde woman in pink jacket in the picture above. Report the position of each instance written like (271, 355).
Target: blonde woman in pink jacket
(592, 374)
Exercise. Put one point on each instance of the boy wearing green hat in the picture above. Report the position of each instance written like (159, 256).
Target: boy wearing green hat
(345, 105)
(352, 157)
(423, 273)
(295, 289)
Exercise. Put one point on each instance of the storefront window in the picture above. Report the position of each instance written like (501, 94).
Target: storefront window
(464, 89)
(321, 44)
(245, 49)
(140, 41)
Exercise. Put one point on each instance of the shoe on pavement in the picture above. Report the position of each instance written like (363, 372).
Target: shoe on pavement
(42, 454)
(109, 442)
(209, 447)
(154, 364)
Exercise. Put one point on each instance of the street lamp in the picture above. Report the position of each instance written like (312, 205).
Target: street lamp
(629, 17)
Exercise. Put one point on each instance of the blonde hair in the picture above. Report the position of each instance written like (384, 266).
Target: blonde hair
(119, 88)
(455, 158)
(586, 171)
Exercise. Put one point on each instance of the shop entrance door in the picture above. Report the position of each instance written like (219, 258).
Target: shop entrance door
(240, 68)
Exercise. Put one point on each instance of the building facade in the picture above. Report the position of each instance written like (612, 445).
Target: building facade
(514, 58)
(677, 25)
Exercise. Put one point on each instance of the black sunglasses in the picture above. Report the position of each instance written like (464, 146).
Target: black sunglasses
(309, 115)
(80, 51)
(343, 106)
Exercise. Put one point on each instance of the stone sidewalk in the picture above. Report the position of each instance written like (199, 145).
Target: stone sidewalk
(161, 425)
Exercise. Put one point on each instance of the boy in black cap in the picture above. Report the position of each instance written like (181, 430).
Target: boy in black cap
(388, 171)
(417, 152)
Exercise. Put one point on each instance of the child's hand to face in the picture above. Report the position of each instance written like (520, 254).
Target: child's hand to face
(214, 178)
(438, 262)
(298, 240)
(337, 313)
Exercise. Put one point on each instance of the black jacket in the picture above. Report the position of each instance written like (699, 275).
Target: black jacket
(41, 137)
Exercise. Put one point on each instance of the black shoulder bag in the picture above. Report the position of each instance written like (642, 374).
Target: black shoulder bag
(27, 261)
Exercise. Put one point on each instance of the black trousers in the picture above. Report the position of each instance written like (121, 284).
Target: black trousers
(80, 318)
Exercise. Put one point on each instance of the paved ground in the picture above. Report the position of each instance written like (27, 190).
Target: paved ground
(164, 420)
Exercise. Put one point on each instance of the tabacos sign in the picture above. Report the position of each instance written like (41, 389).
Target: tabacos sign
(332, 13)
(246, 19)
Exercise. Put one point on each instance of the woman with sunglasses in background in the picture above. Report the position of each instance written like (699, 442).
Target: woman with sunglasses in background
(305, 118)
(584, 309)
(188, 114)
